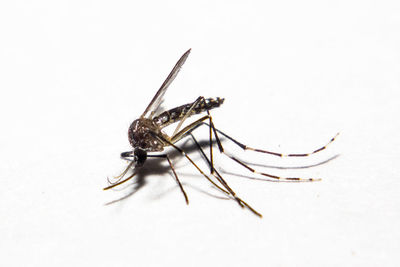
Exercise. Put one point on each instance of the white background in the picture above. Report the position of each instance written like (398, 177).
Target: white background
(74, 74)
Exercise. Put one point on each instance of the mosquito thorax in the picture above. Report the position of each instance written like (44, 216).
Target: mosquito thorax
(142, 135)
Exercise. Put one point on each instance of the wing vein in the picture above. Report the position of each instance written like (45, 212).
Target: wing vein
(156, 101)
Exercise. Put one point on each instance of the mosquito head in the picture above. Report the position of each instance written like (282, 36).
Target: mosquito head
(138, 156)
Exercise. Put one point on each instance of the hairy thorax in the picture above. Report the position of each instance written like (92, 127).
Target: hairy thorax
(142, 134)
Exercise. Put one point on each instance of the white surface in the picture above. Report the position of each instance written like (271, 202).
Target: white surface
(74, 74)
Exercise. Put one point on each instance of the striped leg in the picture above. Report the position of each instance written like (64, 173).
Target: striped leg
(221, 149)
(244, 147)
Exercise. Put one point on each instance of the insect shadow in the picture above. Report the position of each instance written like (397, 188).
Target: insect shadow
(157, 168)
(323, 162)
(292, 167)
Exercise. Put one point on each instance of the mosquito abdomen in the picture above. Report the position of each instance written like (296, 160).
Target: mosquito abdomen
(176, 114)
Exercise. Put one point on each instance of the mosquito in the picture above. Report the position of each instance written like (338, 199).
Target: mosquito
(146, 136)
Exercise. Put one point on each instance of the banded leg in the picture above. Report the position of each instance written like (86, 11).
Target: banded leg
(222, 150)
(245, 147)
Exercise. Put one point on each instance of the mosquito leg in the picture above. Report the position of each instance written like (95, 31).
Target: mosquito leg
(202, 101)
(222, 181)
(194, 104)
(191, 161)
(188, 158)
(245, 147)
(200, 149)
(217, 176)
(178, 136)
(211, 146)
(289, 155)
(221, 149)
(177, 180)
(187, 130)
(175, 175)
(182, 133)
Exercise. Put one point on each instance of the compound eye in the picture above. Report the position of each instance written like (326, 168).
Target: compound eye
(141, 156)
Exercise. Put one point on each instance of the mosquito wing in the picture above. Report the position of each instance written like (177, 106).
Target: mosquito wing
(156, 101)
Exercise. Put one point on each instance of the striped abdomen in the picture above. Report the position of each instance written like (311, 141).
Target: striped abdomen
(176, 114)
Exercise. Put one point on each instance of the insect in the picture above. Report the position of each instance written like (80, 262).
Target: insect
(146, 136)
